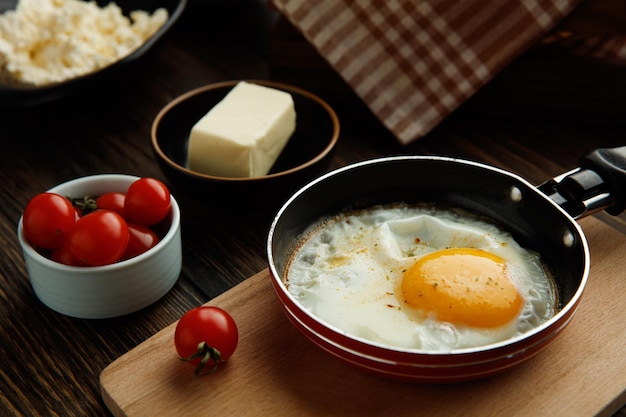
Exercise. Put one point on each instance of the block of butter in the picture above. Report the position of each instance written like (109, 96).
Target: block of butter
(243, 135)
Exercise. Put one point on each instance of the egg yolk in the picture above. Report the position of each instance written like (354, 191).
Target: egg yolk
(462, 286)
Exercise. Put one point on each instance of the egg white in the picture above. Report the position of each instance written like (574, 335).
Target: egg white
(347, 271)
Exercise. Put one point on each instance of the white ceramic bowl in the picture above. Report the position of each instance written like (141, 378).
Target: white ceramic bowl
(110, 290)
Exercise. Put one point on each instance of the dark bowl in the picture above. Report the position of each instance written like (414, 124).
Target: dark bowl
(21, 96)
(306, 155)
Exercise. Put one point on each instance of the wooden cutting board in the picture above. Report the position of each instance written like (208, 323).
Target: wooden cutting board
(277, 372)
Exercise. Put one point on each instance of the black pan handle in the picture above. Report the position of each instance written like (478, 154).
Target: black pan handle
(598, 184)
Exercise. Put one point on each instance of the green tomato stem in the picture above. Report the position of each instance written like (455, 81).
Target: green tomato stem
(86, 204)
(208, 354)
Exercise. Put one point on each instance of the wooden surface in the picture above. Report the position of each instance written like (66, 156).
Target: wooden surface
(277, 372)
(51, 363)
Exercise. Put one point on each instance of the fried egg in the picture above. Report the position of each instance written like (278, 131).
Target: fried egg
(418, 277)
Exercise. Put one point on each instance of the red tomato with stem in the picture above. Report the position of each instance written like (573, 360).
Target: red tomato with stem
(47, 220)
(141, 238)
(99, 238)
(112, 201)
(205, 337)
(147, 202)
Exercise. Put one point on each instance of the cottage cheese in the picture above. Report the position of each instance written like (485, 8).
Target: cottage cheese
(49, 41)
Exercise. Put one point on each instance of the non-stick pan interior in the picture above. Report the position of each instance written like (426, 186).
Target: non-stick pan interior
(533, 220)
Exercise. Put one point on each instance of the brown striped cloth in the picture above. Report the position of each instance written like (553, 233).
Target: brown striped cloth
(413, 62)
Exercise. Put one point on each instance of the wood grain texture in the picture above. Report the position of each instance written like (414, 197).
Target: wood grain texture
(277, 372)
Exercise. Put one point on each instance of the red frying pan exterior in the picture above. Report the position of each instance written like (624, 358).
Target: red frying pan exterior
(538, 218)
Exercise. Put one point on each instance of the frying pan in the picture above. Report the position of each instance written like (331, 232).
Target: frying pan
(540, 218)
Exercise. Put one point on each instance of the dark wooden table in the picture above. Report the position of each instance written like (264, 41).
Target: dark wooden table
(524, 122)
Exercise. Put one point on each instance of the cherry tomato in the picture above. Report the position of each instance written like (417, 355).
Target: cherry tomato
(206, 336)
(63, 255)
(47, 220)
(99, 238)
(141, 238)
(147, 202)
(113, 201)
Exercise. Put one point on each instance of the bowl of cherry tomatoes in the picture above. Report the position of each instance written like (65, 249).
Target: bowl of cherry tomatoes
(102, 246)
